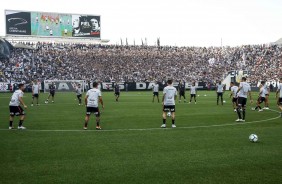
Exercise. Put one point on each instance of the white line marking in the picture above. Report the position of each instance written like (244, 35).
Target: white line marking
(150, 129)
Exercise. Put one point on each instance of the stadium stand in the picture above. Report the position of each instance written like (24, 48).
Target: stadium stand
(68, 61)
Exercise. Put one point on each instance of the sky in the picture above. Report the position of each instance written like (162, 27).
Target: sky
(175, 22)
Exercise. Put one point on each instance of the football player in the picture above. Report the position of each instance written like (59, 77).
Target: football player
(15, 108)
(92, 99)
(169, 97)
(234, 90)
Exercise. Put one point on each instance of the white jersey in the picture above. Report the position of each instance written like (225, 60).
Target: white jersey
(15, 99)
(155, 87)
(280, 89)
(93, 97)
(234, 90)
(262, 92)
(220, 88)
(266, 89)
(245, 89)
(170, 92)
(193, 90)
(35, 89)
(78, 91)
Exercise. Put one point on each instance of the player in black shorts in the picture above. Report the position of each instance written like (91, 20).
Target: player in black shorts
(52, 89)
(78, 91)
(181, 88)
(92, 99)
(243, 91)
(234, 90)
(117, 91)
(169, 97)
(261, 97)
(219, 91)
(155, 88)
(15, 108)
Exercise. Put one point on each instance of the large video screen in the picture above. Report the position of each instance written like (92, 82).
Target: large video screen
(17, 23)
(86, 26)
(52, 24)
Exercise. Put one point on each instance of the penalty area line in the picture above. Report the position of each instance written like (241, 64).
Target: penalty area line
(151, 129)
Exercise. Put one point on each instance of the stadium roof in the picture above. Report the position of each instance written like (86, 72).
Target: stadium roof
(278, 42)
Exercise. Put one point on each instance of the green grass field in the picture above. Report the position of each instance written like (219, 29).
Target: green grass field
(206, 147)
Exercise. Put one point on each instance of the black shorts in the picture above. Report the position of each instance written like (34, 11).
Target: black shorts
(193, 95)
(94, 110)
(182, 93)
(155, 93)
(261, 99)
(219, 94)
(279, 102)
(52, 94)
(117, 93)
(234, 100)
(242, 101)
(16, 111)
(169, 108)
(79, 96)
(36, 95)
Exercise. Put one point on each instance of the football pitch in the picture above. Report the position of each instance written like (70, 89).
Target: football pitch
(207, 146)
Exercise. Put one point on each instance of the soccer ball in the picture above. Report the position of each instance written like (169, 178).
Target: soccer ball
(168, 114)
(46, 102)
(253, 138)
(224, 101)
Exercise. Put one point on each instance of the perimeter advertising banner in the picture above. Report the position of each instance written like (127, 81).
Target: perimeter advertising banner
(52, 24)
(17, 23)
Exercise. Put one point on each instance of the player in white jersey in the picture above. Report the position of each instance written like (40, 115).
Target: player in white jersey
(193, 92)
(279, 97)
(35, 92)
(92, 99)
(169, 97)
(267, 91)
(78, 92)
(261, 97)
(15, 108)
(243, 91)
(156, 91)
(219, 91)
(234, 90)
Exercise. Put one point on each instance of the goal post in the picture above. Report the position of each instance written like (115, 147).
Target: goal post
(64, 85)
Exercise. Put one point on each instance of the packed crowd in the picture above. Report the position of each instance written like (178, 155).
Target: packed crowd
(140, 63)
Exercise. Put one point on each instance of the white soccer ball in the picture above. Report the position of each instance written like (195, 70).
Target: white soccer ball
(46, 102)
(224, 101)
(253, 138)
(205, 95)
(168, 114)
(198, 95)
